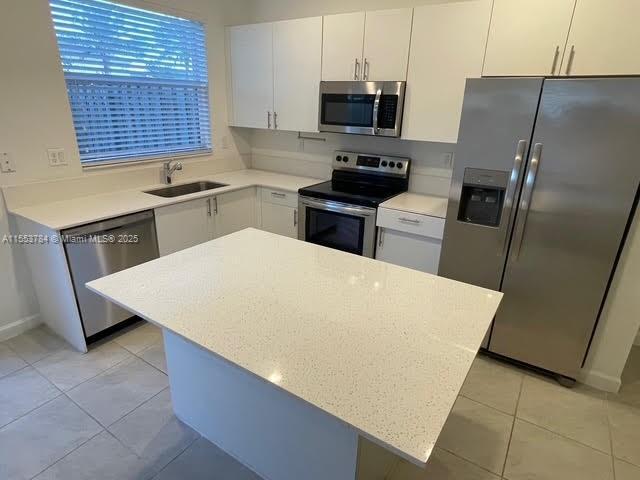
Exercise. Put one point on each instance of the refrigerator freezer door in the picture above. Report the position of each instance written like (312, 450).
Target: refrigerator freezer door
(497, 123)
(581, 182)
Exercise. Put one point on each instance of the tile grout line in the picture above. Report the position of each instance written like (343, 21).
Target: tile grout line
(26, 365)
(147, 362)
(515, 415)
(564, 437)
(33, 409)
(130, 412)
(179, 454)
(61, 392)
(513, 425)
(102, 430)
(68, 453)
(128, 357)
(87, 413)
(46, 355)
(487, 405)
(457, 455)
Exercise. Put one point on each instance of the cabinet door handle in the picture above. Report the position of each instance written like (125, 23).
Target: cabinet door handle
(381, 238)
(278, 194)
(572, 54)
(215, 205)
(356, 70)
(268, 119)
(555, 60)
(295, 217)
(365, 70)
(409, 220)
(209, 206)
(275, 120)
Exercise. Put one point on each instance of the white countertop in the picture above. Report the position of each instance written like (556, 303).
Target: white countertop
(418, 203)
(87, 209)
(383, 348)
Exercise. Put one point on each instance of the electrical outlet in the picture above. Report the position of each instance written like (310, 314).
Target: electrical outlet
(7, 164)
(56, 157)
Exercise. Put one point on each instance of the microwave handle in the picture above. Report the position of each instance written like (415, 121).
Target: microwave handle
(376, 109)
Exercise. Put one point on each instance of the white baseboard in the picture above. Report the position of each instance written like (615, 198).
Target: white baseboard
(18, 327)
(601, 381)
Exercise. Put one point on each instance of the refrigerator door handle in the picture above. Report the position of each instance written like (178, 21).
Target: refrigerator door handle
(525, 202)
(514, 180)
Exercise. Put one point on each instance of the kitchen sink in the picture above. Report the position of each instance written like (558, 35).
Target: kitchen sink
(185, 189)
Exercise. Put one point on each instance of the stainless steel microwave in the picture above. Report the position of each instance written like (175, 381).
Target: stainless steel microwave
(363, 108)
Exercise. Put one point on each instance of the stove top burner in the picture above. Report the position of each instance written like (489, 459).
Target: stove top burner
(362, 179)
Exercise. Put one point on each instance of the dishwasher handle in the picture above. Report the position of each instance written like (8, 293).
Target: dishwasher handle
(110, 224)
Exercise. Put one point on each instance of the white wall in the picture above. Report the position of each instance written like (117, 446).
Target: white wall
(284, 152)
(620, 319)
(35, 115)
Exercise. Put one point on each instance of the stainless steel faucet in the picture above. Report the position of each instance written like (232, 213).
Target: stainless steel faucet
(168, 169)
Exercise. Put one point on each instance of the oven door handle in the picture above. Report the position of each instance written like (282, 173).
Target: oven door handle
(338, 207)
(376, 110)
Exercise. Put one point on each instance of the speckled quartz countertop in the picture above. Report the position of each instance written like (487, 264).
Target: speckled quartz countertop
(383, 348)
(87, 209)
(418, 203)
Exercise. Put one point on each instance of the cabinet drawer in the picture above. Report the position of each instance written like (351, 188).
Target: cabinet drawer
(280, 197)
(423, 225)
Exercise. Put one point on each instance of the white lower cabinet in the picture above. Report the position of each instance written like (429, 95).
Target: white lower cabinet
(190, 223)
(183, 225)
(280, 219)
(408, 250)
(234, 211)
(279, 212)
(409, 240)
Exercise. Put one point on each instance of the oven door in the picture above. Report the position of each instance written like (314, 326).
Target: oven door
(349, 228)
(364, 108)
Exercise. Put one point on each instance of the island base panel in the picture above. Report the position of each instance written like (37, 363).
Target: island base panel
(275, 434)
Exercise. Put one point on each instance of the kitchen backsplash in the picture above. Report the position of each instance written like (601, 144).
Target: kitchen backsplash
(285, 152)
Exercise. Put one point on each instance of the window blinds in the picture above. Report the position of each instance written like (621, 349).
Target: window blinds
(136, 80)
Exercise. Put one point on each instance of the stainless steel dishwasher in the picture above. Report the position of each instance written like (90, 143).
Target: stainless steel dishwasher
(102, 248)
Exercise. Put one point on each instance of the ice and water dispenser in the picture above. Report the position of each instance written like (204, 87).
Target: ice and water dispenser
(482, 196)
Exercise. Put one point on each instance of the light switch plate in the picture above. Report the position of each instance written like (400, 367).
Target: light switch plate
(7, 165)
(56, 156)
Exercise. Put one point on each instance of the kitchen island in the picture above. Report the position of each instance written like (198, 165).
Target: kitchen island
(284, 353)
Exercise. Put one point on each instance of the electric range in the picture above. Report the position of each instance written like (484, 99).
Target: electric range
(341, 213)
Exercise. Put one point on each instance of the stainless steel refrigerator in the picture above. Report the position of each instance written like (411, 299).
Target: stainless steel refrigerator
(545, 180)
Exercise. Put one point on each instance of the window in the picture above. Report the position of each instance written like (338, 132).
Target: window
(136, 80)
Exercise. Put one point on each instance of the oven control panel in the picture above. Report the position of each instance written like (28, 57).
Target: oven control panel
(369, 163)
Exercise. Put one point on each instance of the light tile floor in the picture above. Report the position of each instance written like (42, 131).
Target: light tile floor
(107, 415)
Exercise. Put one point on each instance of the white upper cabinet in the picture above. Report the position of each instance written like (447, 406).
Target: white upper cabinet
(275, 74)
(342, 42)
(604, 39)
(433, 101)
(297, 50)
(528, 37)
(387, 35)
(251, 74)
(367, 46)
